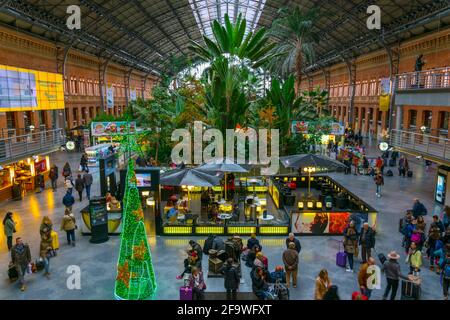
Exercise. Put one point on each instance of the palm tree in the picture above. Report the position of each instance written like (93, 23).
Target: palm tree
(230, 40)
(294, 31)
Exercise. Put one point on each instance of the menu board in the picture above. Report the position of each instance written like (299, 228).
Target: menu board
(99, 214)
(112, 128)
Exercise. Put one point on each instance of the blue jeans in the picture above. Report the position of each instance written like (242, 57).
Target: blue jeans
(367, 292)
(46, 264)
(70, 236)
(350, 260)
(88, 191)
(379, 189)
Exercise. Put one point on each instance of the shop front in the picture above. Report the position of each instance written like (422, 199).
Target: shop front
(16, 179)
(318, 205)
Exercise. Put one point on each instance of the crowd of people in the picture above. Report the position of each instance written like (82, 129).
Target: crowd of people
(21, 258)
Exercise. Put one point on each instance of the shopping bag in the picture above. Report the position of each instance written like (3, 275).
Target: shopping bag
(55, 240)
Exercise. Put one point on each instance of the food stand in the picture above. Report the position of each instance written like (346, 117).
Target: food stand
(326, 212)
(21, 176)
(96, 152)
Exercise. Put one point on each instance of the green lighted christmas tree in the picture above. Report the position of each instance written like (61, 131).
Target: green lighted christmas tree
(135, 277)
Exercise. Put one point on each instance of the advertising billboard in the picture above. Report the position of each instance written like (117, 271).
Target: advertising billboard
(111, 128)
(25, 90)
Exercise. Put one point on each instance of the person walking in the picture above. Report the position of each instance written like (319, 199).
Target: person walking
(231, 279)
(403, 166)
(53, 175)
(79, 186)
(414, 258)
(391, 267)
(84, 163)
(351, 244)
(21, 257)
(68, 183)
(44, 252)
(418, 209)
(68, 200)
(197, 283)
(292, 239)
(445, 267)
(323, 284)
(363, 277)
(9, 228)
(366, 241)
(290, 260)
(68, 224)
(379, 164)
(67, 171)
(87, 180)
(379, 181)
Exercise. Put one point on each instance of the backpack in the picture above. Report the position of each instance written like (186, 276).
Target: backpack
(446, 269)
(281, 291)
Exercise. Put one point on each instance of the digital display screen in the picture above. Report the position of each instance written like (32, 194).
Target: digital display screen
(23, 89)
(144, 180)
(440, 188)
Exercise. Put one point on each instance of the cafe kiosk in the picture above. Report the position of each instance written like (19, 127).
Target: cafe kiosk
(148, 185)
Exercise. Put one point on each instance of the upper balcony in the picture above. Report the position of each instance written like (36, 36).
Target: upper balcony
(33, 142)
(424, 88)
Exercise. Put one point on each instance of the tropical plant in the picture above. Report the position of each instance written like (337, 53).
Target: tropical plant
(294, 30)
(282, 96)
(230, 40)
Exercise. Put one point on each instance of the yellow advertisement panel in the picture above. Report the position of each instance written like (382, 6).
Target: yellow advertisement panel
(24, 90)
(384, 103)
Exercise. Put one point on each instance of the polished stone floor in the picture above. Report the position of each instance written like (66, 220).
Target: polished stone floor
(98, 261)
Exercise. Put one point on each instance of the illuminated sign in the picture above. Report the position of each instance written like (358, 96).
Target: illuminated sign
(24, 89)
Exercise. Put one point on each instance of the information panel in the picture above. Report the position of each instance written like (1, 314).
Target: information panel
(24, 90)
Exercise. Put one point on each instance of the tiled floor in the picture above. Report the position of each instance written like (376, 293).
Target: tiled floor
(98, 261)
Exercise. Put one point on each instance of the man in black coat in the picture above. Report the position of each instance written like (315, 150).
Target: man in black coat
(366, 241)
(231, 279)
(292, 238)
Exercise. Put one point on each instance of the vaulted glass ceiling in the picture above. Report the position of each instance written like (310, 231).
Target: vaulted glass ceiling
(206, 11)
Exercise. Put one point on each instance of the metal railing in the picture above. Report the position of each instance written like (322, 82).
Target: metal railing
(19, 147)
(427, 79)
(425, 144)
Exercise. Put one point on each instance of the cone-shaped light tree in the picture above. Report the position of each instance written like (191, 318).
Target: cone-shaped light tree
(135, 276)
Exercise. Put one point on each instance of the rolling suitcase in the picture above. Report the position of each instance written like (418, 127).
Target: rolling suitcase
(12, 272)
(391, 162)
(409, 174)
(55, 240)
(411, 290)
(185, 293)
(389, 173)
(341, 257)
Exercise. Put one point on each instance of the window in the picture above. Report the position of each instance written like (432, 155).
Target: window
(427, 116)
(443, 120)
(10, 120)
(412, 118)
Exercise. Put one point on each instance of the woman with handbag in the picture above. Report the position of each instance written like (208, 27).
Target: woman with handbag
(9, 227)
(68, 224)
(351, 244)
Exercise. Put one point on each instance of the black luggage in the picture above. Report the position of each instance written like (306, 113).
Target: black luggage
(389, 173)
(409, 174)
(12, 272)
(392, 162)
(39, 264)
(382, 258)
(411, 290)
(208, 245)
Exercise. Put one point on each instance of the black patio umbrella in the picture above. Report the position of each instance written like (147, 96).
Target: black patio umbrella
(311, 160)
(224, 166)
(188, 177)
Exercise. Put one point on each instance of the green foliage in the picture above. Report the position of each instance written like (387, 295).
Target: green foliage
(230, 39)
(135, 275)
(294, 30)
